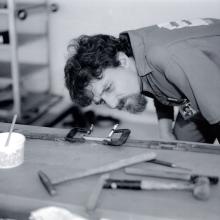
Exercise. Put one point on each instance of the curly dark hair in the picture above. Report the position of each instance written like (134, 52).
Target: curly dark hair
(92, 54)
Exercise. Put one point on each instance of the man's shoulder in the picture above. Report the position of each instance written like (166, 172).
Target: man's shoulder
(174, 31)
(157, 55)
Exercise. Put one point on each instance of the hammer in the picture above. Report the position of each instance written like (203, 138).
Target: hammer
(50, 186)
(200, 189)
(170, 175)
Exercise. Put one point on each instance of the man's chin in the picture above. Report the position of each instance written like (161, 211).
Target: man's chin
(133, 104)
(134, 109)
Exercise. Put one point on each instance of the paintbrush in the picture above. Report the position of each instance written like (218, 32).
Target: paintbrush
(11, 130)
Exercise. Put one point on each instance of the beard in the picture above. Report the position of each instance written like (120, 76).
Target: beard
(134, 104)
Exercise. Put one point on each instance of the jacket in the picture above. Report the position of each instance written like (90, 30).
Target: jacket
(179, 60)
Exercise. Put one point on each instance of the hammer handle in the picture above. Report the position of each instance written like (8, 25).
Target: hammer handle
(108, 167)
(93, 199)
(47, 183)
(145, 185)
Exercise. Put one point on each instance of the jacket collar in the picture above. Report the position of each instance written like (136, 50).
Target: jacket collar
(138, 49)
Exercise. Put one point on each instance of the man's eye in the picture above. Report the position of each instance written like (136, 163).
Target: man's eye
(102, 101)
(108, 88)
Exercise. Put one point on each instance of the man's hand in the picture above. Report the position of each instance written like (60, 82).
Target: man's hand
(166, 129)
(167, 136)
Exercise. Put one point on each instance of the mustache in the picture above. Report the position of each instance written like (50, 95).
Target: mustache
(121, 104)
(135, 103)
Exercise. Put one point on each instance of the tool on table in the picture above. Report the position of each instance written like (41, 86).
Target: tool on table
(51, 185)
(71, 136)
(58, 135)
(167, 164)
(93, 199)
(200, 189)
(170, 175)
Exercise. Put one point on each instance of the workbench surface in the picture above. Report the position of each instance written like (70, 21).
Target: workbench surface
(22, 192)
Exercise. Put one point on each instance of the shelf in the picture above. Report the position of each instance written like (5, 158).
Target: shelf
(27, 69)
(25, 4)
(5, 70)
(5, 52)
(28, 52)
(24, 69)
(4, 11)
(34, 105)
(5, 80)
(26, 38)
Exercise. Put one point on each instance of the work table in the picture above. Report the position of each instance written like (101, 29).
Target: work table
(21, 190)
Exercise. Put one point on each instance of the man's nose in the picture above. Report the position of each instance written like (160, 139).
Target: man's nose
(97, 100)
(112, 102)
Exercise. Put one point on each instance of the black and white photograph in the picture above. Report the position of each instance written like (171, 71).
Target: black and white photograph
(109, 109)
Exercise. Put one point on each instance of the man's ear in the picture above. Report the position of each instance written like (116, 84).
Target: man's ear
(123, 59)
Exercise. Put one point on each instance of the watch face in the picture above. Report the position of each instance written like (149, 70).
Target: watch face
(187, 111)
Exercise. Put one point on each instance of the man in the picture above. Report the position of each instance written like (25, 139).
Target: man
(176, 63)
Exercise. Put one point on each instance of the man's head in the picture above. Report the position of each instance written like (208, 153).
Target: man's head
(102, 69)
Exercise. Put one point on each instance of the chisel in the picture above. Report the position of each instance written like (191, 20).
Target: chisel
(167, 164)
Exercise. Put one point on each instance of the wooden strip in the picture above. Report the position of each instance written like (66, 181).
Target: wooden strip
(54, 134)
(175, 145)
(158, 173)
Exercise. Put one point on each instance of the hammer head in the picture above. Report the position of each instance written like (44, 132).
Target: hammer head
(201, 188)
(47, 183)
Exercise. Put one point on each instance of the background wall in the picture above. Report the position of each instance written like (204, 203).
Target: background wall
(76, 17)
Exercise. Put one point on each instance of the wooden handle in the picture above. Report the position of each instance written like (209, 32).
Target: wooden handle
(155, 185)
(93, 199)
(109, 167)
(145, 185)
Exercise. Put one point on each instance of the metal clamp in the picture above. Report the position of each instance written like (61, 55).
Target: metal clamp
(119, 141)
(71, 136)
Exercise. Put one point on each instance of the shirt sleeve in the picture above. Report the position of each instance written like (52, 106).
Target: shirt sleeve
(194, 73)
(163, 111)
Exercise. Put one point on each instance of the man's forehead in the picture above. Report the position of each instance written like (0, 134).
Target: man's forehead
(90, 86)
(95, 85)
